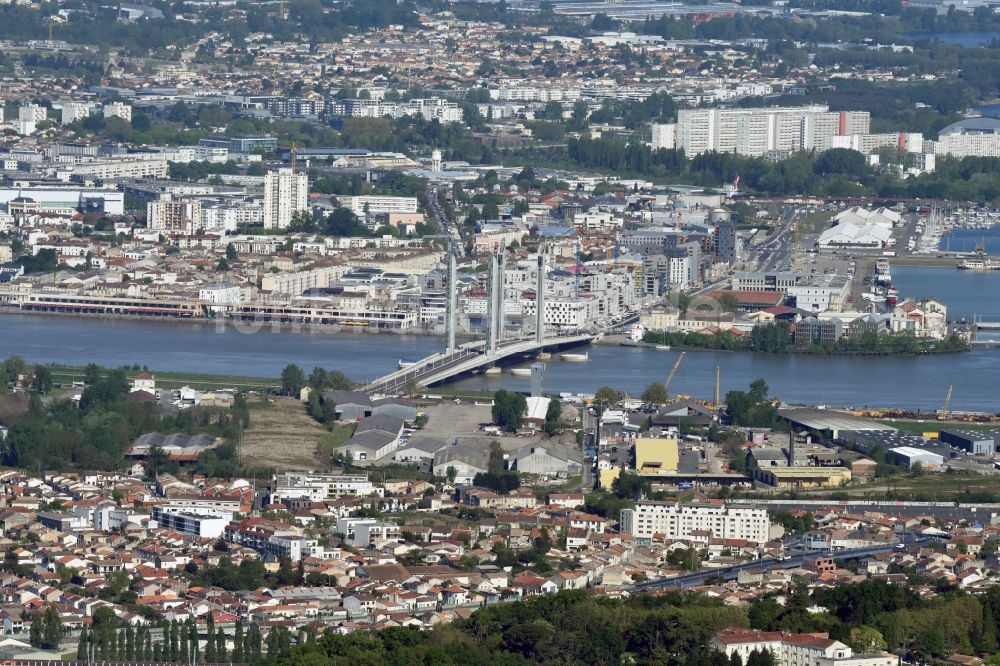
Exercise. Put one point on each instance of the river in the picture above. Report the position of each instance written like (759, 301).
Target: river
(961, 239)
(973, 38)
(913, 382)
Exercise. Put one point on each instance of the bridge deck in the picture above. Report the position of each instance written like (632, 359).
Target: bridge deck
(471, 356)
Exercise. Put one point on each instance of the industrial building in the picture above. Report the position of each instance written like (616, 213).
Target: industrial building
(909, 456)
(976, 442)
(803, 477)
(828, 423)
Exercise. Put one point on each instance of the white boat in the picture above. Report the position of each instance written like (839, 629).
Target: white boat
(492, 371)
(575, 358)
(521, 372)
(406, 364)
(544, 356)
(663, 347)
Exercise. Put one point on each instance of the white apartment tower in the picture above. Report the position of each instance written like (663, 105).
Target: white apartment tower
(285, 193)
(678, 521)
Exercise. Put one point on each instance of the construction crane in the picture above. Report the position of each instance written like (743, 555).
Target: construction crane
(673, 371)
(946, 410)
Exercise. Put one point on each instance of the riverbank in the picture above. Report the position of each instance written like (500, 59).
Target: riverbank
(70, 374)
(776, 339)
(241, 326)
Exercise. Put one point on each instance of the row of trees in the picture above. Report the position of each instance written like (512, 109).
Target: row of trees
(293, 380)
(776, 337)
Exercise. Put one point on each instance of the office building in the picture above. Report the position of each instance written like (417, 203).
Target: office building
(285, 193)
(678, 521)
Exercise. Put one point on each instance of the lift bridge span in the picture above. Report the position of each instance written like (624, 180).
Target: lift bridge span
(468, 358)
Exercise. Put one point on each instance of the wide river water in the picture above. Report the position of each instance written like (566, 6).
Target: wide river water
(913, 382)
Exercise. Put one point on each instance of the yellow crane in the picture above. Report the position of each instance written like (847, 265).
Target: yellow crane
(946, 410)
(673, 371)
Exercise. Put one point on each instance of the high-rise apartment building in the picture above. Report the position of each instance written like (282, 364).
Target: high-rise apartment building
(173, 216)
(285, 193)
(759, 131)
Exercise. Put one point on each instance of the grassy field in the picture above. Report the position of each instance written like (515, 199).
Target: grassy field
(814, 223)
(920, 427)
(282, 435)
(65, 374)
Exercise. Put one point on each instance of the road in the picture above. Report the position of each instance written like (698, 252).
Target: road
(445, 226)
(730, 573)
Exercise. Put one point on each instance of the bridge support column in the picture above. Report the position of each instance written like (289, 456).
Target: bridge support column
(494, 303)
(452, 302)
(540, 300)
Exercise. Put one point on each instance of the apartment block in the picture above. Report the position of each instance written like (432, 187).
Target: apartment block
(177, 216)
(285, 193)
(907, 142)
(319, 487)
(759, 131)
(205, 523)
(678, 521)
(378, 205)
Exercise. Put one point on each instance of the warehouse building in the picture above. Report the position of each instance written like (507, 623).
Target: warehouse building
(976, 442)
(909, 456)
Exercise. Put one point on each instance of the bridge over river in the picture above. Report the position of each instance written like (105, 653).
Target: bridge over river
(468, 358)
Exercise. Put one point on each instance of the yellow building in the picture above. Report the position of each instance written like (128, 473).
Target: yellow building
(804, 477)
(656, 456)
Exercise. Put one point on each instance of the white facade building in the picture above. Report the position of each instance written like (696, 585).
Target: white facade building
(319, 487)
(378, 205)
(118, 110)
(221, 294)
(74, 111)
(678, 521)
(795, 649)
(285, 193)
(32, 113)
(204, 523)
(756, 132)
(664, 135)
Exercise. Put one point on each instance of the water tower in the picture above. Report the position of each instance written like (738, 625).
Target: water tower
(436, 161)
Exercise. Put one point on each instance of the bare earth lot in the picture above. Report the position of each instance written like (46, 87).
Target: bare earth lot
(282, 435)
